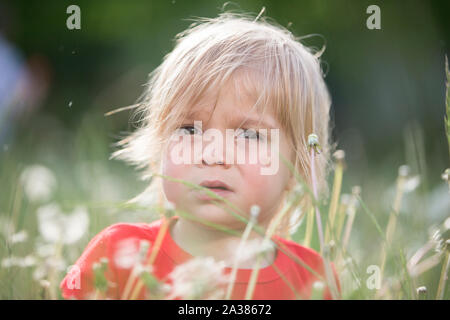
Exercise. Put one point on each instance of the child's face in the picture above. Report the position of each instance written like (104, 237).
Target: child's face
(248, 185)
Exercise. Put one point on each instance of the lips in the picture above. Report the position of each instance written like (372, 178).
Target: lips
(216, 185)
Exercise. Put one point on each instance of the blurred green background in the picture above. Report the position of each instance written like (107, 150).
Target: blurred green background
(387, 88)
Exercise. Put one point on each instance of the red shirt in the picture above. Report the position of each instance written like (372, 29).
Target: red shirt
(284, 279)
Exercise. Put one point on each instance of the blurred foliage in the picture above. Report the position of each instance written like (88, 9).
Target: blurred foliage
(387, 87)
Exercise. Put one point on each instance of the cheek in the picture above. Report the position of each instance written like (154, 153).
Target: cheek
(261, 187)
(174, 191)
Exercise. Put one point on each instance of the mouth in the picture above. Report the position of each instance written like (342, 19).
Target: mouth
(217, 186)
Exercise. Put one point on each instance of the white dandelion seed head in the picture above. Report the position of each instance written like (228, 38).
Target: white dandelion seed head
(56, 263)
(126, 254)
(197, 276)
(45, 250)
(345, 198)
(19, 237)
(356, 190)
(411, 184)
(28, 261)
(40, 272)
(76, 225)
(318, 285)
(21, 262)
(104, 260)
(44, 283)
(254, 211)
(9, 262)
(38, 183)
(339, 155)
(404, 170)
(50, 220)
(447, 223)
(140, 269)
(313, 139)
(252, 248)
(446, 175)
(54, 226)
(169, 206)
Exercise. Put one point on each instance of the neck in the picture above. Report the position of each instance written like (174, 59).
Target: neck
(199, 240)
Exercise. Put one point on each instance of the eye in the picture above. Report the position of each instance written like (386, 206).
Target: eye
(188, 129)
(249, 133)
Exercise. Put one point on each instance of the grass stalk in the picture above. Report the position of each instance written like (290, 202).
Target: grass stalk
(335, 195)
(394, 215)
(444, 272)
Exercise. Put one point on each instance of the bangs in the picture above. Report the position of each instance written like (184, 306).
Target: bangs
(256, 75)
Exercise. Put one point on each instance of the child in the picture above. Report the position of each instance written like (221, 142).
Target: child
(230, 72)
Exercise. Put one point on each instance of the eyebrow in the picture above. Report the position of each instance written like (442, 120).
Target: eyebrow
(258, 122)
(237, 119)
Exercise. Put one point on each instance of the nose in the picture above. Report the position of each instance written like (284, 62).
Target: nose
(214, 152)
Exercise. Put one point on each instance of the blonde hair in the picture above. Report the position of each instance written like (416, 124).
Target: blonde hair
(283, 73)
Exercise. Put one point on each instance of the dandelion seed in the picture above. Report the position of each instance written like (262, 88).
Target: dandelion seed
(44, 283)
(56, 263)
(55, 226)
(411, 184)
(27, 261)
(313, 142)
(76, 225)
(38, 183)
(169, 209)
(339, 155)
(141, 269)
(39, 273)
(404, 170)
(446, 175)
(70, 102)
(21, 262)
(254, 247)
(447, 223)
(199, 277)
(317, 290)
(127, 253)
(345, 198)
(45, 250)
(50, 222)
(10, 262)
(421, 292)
(19, 237)
(254, 212)
(169, 205)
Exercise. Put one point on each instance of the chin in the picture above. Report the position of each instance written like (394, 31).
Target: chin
(212, 213)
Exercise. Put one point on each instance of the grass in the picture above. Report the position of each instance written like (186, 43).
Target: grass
(379, 251)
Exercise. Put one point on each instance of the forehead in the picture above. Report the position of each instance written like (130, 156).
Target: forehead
(236, 99)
